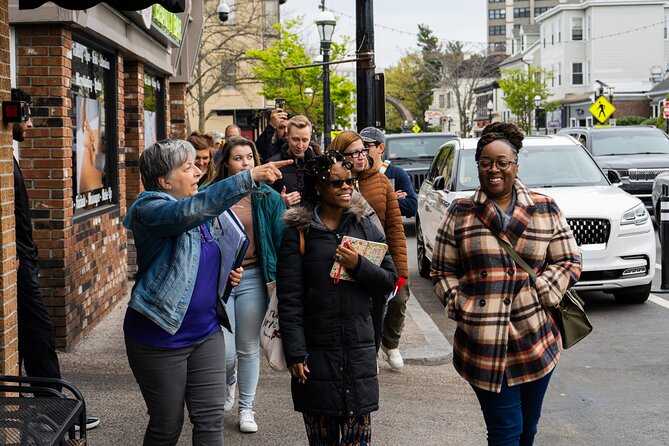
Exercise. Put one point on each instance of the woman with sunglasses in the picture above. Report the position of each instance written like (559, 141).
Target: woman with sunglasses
(506, 344)
(326, 325)
(380, 194)
(261, 213)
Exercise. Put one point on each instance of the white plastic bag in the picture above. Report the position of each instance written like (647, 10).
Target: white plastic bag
(270, 336)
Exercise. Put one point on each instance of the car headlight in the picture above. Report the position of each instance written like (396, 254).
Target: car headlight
(637, 215)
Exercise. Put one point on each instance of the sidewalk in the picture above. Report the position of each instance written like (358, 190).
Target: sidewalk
(427, 405)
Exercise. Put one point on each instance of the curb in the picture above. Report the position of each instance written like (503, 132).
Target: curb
(438, 350)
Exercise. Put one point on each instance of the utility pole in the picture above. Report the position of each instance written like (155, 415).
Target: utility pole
(364, 42)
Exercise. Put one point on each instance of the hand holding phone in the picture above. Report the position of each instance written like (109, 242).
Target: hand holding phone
(280, 103)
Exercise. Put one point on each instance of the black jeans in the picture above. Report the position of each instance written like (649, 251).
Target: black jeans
(37, 342)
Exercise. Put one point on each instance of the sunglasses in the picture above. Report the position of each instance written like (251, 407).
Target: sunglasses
(501, 163)
(339, 183)
(356, 153)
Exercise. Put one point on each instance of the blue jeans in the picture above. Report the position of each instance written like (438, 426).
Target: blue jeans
(246, 309)
(512, 415)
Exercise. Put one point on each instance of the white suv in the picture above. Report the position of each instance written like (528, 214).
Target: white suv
(612, 228)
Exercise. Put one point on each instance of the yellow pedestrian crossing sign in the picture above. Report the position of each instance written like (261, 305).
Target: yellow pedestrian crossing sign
(602, 109)
(416, 128)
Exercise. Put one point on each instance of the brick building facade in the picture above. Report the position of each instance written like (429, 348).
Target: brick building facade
(100, 85)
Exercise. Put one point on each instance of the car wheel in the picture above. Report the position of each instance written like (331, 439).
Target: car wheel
(424, 264)
(633, 295)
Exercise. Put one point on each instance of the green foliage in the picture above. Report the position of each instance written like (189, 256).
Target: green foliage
(520, 86)
(630, 120)
(402, 84)
(658, 122)
(429, 71)
(287, 51)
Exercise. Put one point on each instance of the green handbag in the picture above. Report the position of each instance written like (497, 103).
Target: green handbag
(569, 314)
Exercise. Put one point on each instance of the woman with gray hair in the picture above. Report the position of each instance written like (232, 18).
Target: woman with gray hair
(172, 329)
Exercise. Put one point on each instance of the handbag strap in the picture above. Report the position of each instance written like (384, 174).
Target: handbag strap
(519, 260)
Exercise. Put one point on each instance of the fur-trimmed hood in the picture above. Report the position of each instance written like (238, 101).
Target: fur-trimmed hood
(301, 216)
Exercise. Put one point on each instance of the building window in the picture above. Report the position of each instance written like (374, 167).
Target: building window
(497, 30)
(588, 72)
(587, 27)
(666, 33)
(449, 100)
(577, 28)
(553, 76)
(93, 112)
(559, 74)
(496, 1)
(154, 109)
(271, 17)
(496, 14)
(577, 73)
(559, 30)
(228, 73)
(521, 12)
(539, 11)
(442, 101)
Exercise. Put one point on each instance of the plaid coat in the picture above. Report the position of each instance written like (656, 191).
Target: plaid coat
(504, 326)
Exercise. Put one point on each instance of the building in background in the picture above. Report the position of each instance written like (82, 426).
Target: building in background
(224, 90)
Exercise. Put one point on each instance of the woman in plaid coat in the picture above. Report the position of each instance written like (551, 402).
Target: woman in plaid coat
(506, 344)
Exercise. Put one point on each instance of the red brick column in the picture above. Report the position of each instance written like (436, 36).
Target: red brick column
(82, 262)
(178, 115)
(9, 357)
(134, 138)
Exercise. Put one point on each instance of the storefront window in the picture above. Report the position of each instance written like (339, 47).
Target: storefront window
(154, 109)
(94, 144)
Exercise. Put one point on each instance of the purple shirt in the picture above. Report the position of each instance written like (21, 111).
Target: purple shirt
(200, 320)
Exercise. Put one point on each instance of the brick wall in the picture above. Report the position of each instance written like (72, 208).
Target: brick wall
(632, 108)
(177, 100)
(134, 138)
(9, 357)
(82, 263)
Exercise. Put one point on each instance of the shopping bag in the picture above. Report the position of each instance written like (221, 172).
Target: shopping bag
(270, 336)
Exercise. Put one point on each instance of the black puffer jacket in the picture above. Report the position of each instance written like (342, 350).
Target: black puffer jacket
(330, 324)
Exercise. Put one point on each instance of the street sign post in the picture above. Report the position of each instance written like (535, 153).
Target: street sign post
(416, 128)
(602, 109)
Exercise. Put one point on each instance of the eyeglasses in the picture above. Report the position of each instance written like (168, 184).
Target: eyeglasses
(356, 153)
(340, 183)
(370, 144)
(501, 163)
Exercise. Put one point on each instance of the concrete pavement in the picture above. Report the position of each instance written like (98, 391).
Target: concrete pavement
(427, 405)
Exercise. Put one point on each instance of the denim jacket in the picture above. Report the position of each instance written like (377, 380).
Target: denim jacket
(168, 240)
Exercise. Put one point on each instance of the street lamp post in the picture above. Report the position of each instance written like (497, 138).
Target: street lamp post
(449, 118)
(537, 103)
(490, 106)
(326, 25)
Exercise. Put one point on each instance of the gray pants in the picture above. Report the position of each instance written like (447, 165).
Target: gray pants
(393, 322)
(168, 377)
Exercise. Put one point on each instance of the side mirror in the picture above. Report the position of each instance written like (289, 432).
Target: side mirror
(439, 183)
(614, 176)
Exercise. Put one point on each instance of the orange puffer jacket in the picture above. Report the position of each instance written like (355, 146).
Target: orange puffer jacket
(380, 194)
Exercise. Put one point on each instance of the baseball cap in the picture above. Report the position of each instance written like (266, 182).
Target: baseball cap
(372, 134)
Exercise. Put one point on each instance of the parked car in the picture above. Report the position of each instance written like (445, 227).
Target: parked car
(413, 152)
(659, 181)
(637, 153)
(611, 227)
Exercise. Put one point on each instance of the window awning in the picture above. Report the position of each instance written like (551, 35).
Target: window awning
(124, 5)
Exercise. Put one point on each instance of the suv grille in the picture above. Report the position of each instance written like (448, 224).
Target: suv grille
(645, 175)
(417, 178)
(590, 231)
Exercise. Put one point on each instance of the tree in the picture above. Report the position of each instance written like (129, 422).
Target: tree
(402, 84)
(287, 51)
(520, 86)
(429, 73)
(221, 61)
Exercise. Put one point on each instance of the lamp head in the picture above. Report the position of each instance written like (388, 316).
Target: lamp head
(325, 22)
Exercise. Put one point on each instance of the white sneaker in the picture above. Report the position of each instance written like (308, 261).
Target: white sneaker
(247, 422)
(393, 357)
(229, 396)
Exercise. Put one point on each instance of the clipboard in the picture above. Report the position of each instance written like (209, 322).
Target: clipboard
(233, 243)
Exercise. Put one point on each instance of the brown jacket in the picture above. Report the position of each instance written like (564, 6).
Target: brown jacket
(380, 194)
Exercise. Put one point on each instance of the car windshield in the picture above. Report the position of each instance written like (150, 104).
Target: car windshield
(551, 166)
(415, 146)
(629, 142)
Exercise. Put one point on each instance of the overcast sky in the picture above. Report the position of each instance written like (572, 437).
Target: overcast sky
(396, 22)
